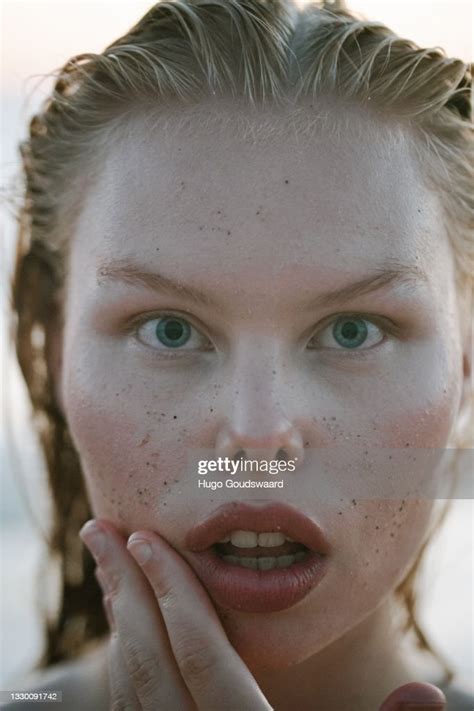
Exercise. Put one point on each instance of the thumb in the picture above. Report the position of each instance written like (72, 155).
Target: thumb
(415, 696)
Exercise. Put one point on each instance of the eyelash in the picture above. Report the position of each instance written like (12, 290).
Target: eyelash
(384, 325)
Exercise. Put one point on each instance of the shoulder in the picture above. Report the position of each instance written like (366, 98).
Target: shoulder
(82, 682)
(457, 697)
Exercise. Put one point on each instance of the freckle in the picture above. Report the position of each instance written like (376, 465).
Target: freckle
(287, 181)
(340, 513)
(401, 508)
(148, 464)
(218, 212)
(389, 456)
(211, 409)
(157, 249)
(333, 418)
(306, 444)
(165, 482)
(377, 528)
(201, 227)
(354, 502)
(163, 414)
(366, 516)
(392, 535)
(407, 444)
(376, 550)
(229, 232)
(175, 417)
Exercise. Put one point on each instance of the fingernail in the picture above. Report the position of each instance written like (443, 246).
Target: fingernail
(94, 538)
(140, 549)
(108, 612)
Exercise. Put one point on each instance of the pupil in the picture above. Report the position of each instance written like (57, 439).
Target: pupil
(349, 330)
(350, 333)
(173, 330)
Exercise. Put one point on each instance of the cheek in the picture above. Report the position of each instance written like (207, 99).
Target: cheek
(424, 404)
(127, 442)
(422, 424)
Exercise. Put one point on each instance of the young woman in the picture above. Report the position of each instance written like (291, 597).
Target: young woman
(246, 237)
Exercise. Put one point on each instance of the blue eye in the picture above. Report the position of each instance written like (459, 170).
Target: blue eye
(349, 333)
(172, 332)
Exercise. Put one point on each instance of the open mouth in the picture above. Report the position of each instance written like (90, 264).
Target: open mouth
(258, 557)
(260, 551)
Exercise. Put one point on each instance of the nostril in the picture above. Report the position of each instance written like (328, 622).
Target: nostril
(282, 455)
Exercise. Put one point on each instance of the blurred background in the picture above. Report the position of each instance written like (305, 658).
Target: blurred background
(37, 37)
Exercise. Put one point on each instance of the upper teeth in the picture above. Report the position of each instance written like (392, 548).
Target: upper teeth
(250, 539)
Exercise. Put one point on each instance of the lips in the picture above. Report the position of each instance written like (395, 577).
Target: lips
(250, 590)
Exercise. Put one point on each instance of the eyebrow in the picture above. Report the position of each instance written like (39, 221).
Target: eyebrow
(129, 273)
(395, 274)
(390, 275)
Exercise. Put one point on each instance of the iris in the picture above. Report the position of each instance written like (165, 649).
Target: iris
(350, 332)
(173, 332)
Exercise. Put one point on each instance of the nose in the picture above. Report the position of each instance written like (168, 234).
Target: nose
(259, 424)
(282, 442)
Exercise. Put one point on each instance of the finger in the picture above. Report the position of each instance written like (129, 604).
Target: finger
(122, 693)
(415, 696)
(213, 671)
(106, 603)
(141, 633)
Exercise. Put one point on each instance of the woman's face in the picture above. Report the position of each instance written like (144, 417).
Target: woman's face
(257, 244)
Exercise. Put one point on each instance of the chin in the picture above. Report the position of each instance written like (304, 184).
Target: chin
(265, 642)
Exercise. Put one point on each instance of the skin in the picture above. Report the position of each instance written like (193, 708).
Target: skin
(262, 229)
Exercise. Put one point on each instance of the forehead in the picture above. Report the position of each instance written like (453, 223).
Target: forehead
(314, 187)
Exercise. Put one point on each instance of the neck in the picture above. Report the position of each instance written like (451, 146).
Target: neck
(355, 672)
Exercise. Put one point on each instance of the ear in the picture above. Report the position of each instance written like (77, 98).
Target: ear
(54, 354)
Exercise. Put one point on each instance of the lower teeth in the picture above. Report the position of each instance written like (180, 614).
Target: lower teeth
(282, 561)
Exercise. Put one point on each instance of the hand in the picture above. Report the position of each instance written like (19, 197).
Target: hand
(176, 655)
(170, 656)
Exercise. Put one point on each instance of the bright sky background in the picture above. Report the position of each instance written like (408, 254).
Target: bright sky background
(41, 34)
(38, 36)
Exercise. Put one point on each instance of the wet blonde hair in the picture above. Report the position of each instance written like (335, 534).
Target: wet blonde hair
(180, 51)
